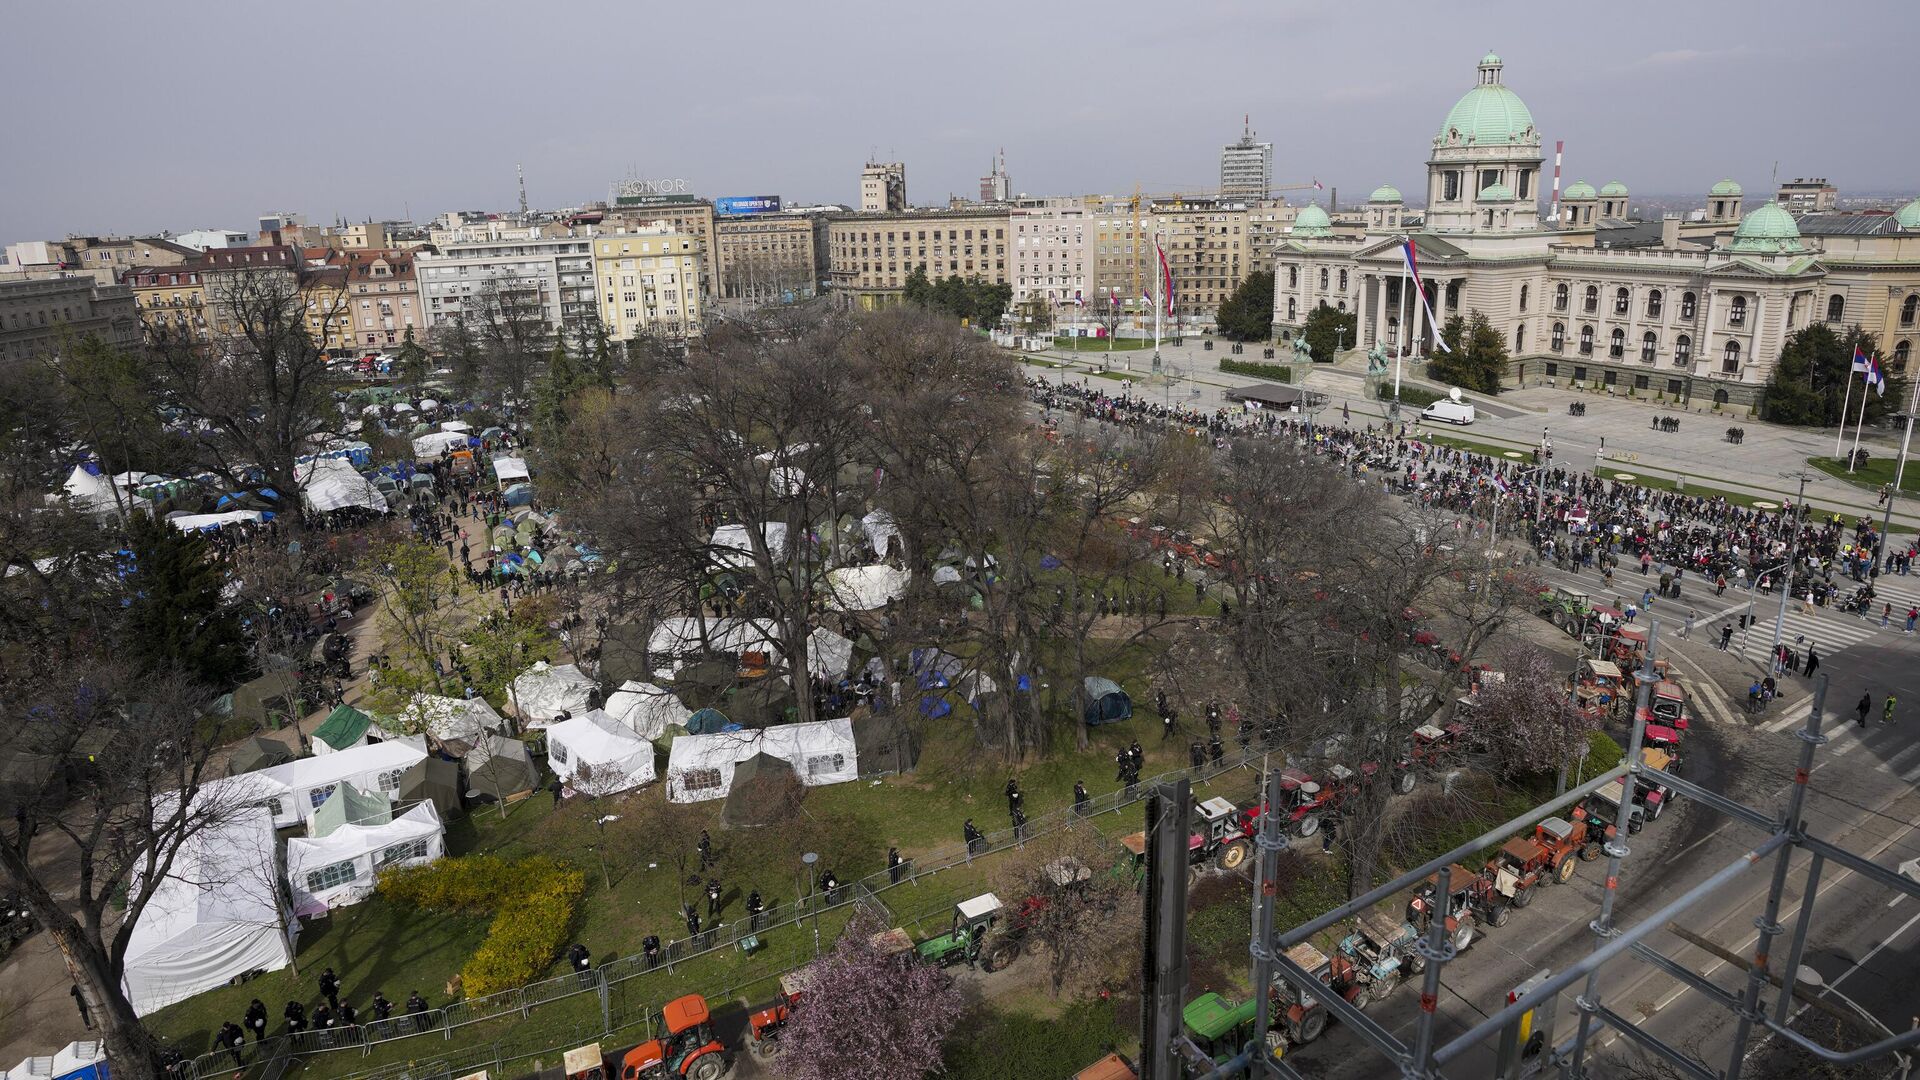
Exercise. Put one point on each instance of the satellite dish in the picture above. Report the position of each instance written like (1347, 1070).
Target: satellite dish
(1454, 393)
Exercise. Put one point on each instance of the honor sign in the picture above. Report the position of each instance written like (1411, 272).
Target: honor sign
(652, 192)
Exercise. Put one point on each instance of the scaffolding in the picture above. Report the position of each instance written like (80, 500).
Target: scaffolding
(1423, 1060)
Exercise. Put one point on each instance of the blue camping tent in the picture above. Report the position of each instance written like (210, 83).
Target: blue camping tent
(707, 722)
(1106, 702)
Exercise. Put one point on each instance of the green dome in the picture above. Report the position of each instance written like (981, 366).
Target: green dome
(1312, 221)
(1767, 230)
(1489, 60)
(1725, 187)
(1614, 189)
(1385, 193)
(1488, 114)
(1497, 193)
(1580, 189)
(1909, 215)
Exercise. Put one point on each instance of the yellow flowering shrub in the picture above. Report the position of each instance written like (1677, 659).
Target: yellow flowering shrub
(532, 902)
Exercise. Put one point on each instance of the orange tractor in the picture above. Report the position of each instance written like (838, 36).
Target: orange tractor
(1548, 857)
(688, 1048)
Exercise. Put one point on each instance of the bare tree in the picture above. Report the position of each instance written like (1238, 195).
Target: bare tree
(1071, 907)
(511, 326)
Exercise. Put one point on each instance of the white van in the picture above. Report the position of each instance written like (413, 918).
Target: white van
(1452, 412)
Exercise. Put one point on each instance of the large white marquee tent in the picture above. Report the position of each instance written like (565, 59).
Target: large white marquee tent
(700, 767)
(617, 759)
(338, 869)
(542, 692)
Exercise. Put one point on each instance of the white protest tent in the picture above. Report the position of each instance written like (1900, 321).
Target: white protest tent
(510, 468)
(881, 530)
(700, 767)
(293, 791)
(646, 709)
(334, 484)
(338, 869)
(732, 546)
(93, 494)
(828, 653)
(186, 522)
(446, 719)
(216, 915)
(430, 444)
(460, 426)
(674, 640)
(865, 588)
(786, 481)
(785, 453)
(542, 692)
(594, 742)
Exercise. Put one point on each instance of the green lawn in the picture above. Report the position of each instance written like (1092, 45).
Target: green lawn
(1117, 376)
(1493, 450)
(1876, 473)
(1093, 344)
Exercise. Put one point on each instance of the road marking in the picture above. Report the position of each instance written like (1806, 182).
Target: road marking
(1911, 775)
(1893, 762)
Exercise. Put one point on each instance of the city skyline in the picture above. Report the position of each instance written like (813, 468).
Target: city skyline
(1681, 98)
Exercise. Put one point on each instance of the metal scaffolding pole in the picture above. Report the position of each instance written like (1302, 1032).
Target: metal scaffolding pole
(1270, 843)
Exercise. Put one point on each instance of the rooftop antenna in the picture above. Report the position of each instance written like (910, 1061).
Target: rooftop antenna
(522, 171)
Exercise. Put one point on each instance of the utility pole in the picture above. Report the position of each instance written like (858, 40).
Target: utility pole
(1163, 963)
(1270, 843)
(1799, 508)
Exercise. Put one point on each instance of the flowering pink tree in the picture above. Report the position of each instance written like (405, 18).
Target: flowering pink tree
(1527, 718)
(867, 1014)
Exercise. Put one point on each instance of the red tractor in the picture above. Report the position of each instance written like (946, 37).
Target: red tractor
(1670, 706)
(1431, 746)
(1548, 857)
(688, 1048)
(1304, 802)
(765, 1024)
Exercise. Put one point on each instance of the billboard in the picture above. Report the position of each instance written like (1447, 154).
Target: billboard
(747, 204)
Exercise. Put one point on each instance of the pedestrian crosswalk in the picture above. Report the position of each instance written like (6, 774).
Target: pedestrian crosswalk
(1891, 748)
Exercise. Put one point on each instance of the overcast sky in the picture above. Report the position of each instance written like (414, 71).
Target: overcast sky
(205, 114)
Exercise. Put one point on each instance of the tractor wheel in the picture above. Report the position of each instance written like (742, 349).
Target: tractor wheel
(1416, 964)
(1635, 822)
(707, 1068)
(1362, 997)
(1563, 870)
(999, 955)
(1312, 1026)
(1654, 812)
(1590, 851)
(1405, 781)
(1463, 934)
(1500, 915)
(1234, 855)
(1309, 825)
(1523, 896)
(1385, 986)
(1276, 1042)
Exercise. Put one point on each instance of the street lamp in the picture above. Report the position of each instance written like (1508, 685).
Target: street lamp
(809, 859)
(1799, 510)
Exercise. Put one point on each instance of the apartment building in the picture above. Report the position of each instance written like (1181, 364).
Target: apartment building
(1051, 250)
(680, 213)
(768, 258)
(648, 281)
(883, 187)
(104, 258)
(38, 315)
(171, 300)
(231, 276)
(870, 255)
(552, 276)
(1246, 168)
(383, 296)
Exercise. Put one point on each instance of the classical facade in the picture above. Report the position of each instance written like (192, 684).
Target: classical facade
(768, 258)
(1700, 313)
(38, 315)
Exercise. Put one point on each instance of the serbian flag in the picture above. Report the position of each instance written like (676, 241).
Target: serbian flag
(1344, 414)
(1876, 378)
(1860, 361)
(1318, 186)
(1166, 278)
(1500, 484)
(1419, 290)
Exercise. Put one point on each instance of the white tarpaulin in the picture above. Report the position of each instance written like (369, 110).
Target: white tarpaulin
(828, 653)
(430, 444)
(865, 588)
(338, 869)
(196, 522)
(94, 494)
(447, 719)
(542, 692)
(732, 546)
(297, 788)
(881, 530)
(334, 484)
(611, 757)
(786, 481)
(646, 709)
(460, 426)
(510, 468)
(700, 767)
(676, 640)
(216, 915)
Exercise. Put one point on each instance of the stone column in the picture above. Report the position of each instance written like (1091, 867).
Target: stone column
(1704, 351)
(1379, 309)
(1439, 306)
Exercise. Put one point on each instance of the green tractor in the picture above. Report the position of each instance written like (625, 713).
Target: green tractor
(972, 937)
(1566, 608)
(1219, 1029)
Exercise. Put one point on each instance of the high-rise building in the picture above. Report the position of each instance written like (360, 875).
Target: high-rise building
(1246, 168)
(995, 187)
(1050, 251)
(883, 187)
(1807, 195)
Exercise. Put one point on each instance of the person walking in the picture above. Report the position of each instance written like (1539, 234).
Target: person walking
(894, 865)
(330, 987)
(713, 898)
(650, 948)
(1686, 631)
(1326, 836)
(1813, 660)
(296, 1017)
(417, 1010)
(706, 851)
(1726, 635)
(754, 907)
(1886, 710)
(976, 841)
(1861, 710)
(581, 961)
(692, 916)
(231, 1038)
(80, 1000)
(1079, 797)
(256, 1019)
(382, 1008)
(1015, 800)
(1913, 616)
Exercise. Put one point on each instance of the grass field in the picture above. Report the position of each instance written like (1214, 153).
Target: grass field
(1093, 344)
(1875, 474)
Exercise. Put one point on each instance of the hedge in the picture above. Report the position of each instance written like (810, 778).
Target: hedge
(1278, 372)
(1418, 397)
(532, 902)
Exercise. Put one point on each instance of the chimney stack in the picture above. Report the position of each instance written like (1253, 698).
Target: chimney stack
(1670, 231)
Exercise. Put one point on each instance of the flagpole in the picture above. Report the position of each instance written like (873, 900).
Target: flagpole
(1899, 470)
(1854, 454)
(1841, 435)
(1159, 298)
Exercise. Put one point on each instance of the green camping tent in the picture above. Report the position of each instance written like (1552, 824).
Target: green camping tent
(256, 753)
(348, 805)
(344, 727)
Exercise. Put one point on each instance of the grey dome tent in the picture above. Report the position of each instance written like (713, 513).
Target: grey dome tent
(256, 753)
(434, 780)
(1106, 702)
(499, 768)
(765, 791)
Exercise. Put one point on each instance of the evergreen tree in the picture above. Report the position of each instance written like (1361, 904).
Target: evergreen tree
(1475, 357)
(412, 362)
(1810, 382)
(1328, 331)
(564, 378)
(176, 619)
(919, 291)
(1247, 315)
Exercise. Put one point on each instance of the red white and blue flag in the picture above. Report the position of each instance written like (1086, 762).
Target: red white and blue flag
(1318, 186)
(1419, 290)
(1500, 483)
(1860, 361)
(1876, 378)
(1166, 278)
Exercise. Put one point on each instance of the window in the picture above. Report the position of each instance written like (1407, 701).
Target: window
(1593, 299)
(389, 781)
(1553, 371)
(1290, 309)
(275, 807)
(1653, 304)
(1525, 190)
(1559, 336)
(1836, 308)
(826, 763)
(1559, 298)
(1617, 344)
(1901, 352)
(1586, 341)
(1622, 300)
(412, 849)
(1648, 345)
(1687, 305)
(1450, 184)
(1323, 277)
(319, 795)
(1523, 298)
(1642, 382)
(557, 751)
(1519, 338)
(700, 779)
(1730, 359)
(1675, 386)
(1909, 309)
(1343, 281)
(1737, 313)
(331, 876)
